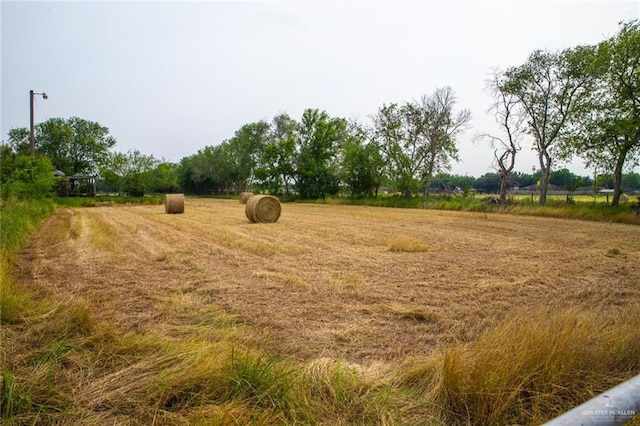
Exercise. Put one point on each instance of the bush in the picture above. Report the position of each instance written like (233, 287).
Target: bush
(30, 177)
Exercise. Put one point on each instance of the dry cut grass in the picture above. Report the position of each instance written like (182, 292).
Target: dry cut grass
(528, 370)
(332, 315)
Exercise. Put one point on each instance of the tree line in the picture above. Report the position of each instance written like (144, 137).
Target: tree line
(581, 102)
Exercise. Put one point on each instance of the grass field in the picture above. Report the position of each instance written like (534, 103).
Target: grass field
(333, 315)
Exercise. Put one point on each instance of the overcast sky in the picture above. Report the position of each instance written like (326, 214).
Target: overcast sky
(169, 78)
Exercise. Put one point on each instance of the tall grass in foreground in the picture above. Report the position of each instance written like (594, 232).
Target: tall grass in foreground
(524, 371)
(18, 219)
(529, 370)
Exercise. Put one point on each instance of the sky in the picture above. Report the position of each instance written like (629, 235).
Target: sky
(169, 78)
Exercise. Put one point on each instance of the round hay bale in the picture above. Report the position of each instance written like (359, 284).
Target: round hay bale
(174, 203)
(263, 209)
(244, 196)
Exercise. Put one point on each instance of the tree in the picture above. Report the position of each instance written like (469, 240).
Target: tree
(244, 151)
(18, 140)
(567, 180)
(547, 87)
(522, 179)
(28, 177)
(276, 165)
(631, 180)
(440, 130)
(197, 173)
(7, 160)
(417, 139)
(164, 178)
(452, 183)
(112, 171)
(74, 145)
(212, 170)
(608, 130)
(489, 182)
(132, 172)
(362, 164)
(398, 131)
(509, 117)
(563, 178)
(320, 138)
(187, 177)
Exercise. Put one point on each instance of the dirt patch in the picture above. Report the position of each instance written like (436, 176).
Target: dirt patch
(328, 281)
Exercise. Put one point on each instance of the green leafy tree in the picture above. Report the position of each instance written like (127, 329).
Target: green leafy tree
(28, 177)
(451, 183)
(607, 132)
(164, 178)
(228, 175)
(631, 180)
(131, 173)
(604, 181)
(7, 159)
(362, 164)
(18, 140)
(187, 177)
(74, 145)
(196, 173)
(320, 138)
(564, 178)
(211, 171)
(113, 170)
(567, 180)
(243, 153)
(276, 168)
(548, 86)
(524, 179)
(54, 138)
(418, 139)
(489, 183)
(398, 133)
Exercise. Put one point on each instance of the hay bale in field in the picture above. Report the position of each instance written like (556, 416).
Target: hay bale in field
(263, 209)
(244, 196)
(174, 203)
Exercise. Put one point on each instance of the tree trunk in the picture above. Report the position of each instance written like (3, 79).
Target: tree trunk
(286, 185)
(617, 179)
(427, 178)
(504, 180)
(545, 167)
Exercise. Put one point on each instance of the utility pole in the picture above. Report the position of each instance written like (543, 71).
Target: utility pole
(32, 139)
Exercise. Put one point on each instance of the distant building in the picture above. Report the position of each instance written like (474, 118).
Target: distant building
(76, 185)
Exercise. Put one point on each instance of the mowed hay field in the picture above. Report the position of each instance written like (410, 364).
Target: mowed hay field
(379, 289)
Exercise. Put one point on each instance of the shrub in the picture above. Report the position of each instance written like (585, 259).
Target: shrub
(30, 177)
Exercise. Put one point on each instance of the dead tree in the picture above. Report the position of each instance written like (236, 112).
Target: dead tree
(510, 119)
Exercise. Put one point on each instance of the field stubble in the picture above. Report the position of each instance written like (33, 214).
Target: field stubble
(373, 287)
(332, 281)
